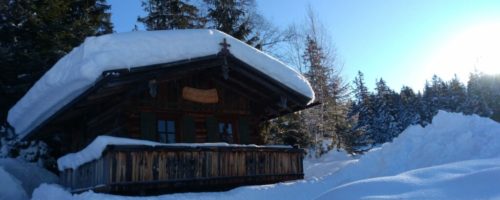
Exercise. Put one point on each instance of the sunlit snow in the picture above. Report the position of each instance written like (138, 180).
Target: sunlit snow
(455, 157)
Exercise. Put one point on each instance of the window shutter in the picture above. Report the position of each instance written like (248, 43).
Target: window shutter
(148, 125)
(188, 129)
(212, 130)
(244, 130)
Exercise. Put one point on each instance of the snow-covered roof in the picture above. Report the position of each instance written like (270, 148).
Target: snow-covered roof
(78, 71)
(95, 149)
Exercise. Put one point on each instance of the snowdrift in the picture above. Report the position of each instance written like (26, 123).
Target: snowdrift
(455, 157)
(450, 138)
(11, 187)
(18, 179)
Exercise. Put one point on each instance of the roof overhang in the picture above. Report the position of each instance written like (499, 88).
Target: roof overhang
(117, 77)
(111, 59)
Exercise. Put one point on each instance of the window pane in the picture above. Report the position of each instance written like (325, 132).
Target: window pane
(170, 126)
(229, 129)
(221, 127)
(161, 126)
(171, 138)
(163, 137)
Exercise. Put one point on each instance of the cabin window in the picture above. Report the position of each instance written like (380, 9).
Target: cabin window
(166, 131)
(226, 132)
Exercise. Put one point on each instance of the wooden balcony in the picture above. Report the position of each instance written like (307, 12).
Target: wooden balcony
(137, 169)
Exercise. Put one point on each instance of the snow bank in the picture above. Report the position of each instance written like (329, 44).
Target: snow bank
(29, 174)
(51, 191)
(78, 70)
(451, 137)
(94, 150)
(11, 187)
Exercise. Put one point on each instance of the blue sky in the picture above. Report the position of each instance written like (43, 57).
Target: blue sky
(404, 42)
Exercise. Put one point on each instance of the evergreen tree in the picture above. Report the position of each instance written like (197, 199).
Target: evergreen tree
(440, 92)
(428, 107)
(475, 102)
(326, 122)
(233, 17)
(344, 136)
(34, 34)
(379, 117)
(288, 130)
(170, 14)
(318, 119)
(386, 104)
(362, 111)
(338, 109)
(434, 98)
(456, 95)
(490, 86)
(410, 108)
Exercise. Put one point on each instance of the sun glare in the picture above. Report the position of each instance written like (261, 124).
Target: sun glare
(476, 47)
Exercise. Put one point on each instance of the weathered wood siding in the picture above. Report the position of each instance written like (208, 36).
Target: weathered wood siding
(156, 168)
(191, 117)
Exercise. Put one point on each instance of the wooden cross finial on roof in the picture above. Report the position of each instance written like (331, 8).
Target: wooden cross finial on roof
(224, 52)
(225, 47)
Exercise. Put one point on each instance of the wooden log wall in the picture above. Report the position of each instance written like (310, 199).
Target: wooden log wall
(135, 169)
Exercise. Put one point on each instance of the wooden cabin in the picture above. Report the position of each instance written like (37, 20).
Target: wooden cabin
(202, 96)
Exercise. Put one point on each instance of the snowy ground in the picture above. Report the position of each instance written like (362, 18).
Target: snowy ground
(18, 179)
(456, 157)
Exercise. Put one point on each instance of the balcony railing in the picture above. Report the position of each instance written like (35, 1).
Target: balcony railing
(137, 169)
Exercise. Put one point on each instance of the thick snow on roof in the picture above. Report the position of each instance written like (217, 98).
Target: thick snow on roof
(78, 70)
(94, 150)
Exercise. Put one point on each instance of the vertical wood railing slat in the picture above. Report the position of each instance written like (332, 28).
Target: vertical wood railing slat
(149, 165)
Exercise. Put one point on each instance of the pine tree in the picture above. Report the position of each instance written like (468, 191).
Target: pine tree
(456, 95)
(34, 34)
(362, 111)
(386, 104)
(409, 112)
(327, 122)
(475, 102)
(233, 17)
(489, 87)
(434, 98)
(338, 110)
(288, 130)
(318, 118)
(428, 108)
(170, 14)
(317, 74)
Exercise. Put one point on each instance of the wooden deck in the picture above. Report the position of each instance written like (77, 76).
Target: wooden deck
(136, 169)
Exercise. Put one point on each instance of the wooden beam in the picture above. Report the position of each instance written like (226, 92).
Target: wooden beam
(241, 84)
(105, 114)
(235, 90)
